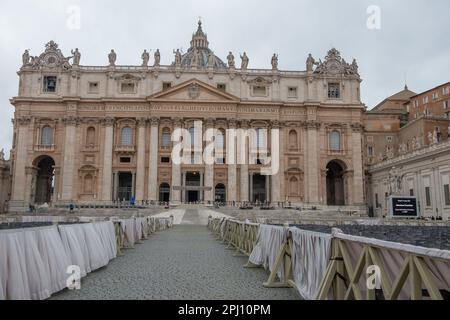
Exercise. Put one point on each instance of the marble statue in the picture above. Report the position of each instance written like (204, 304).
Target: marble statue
(145, 58)
(177, 58)
(2, 155)
(310, 62)
(354, 66)
(274, 62)
(230, 59)
(26, 57)
(389, 152)
(403, 148)
(112, 58)
(211, 60)
(244, 63)
(157, 58)
(76, 57)
(430, 138)
(395, 181)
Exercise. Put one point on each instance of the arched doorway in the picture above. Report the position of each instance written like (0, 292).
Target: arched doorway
(220, 193)
(44, 180)
(164, 192)
(335, 184)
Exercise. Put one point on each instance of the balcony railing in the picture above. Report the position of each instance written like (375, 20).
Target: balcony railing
(44, 147)
(125, 148)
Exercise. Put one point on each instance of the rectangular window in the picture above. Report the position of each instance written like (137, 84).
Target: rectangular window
(334, 91)
(220, 160)
(446, 104)
(447, 194)
(411, 192)
(389, 139)
(425, 100)
(377, 203)
(435, 95)
(259, 91)
(50, 84)
(222, 87)
(125, 160)
(165, 159)
(428, 196)
(447, 115)
(370, 151)
(292, 92)
(93, 87)
(167, 85)
(127, 87)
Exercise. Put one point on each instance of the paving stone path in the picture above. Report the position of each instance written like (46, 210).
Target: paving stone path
(185, 262)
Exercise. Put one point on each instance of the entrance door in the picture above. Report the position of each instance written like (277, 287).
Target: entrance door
(192, 196)
(259, 188)
(335, 184)
(125, 186)
(44, 180)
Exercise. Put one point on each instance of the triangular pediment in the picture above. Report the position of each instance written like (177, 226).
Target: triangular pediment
(194, 90)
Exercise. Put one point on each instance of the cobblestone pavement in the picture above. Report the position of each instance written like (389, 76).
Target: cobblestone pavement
(185, 262)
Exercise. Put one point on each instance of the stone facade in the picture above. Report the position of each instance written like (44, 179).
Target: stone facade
(4, 184)
(99, 134)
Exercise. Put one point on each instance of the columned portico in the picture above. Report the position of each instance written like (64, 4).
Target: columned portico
(140, 170)
(107, 160)
(153, 160)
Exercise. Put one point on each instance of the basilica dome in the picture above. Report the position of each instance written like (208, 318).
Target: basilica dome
(200, 45)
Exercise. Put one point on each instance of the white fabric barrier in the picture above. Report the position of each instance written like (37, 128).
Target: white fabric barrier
(310, 256)
(267, 247)
(129, 229)
(392, 255)
(33, 263)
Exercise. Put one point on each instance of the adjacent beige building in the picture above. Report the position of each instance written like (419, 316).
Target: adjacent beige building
(102, 134)
(5, 182)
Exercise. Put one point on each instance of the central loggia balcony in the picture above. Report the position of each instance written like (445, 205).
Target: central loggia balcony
(120, 148)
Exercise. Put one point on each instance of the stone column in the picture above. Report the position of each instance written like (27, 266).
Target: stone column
(277, 177)
(251, 188)
(68, 172)
(231, 161)
(153, 160)
(245, 158)
(133, 184)
(358, 178)
(140, 167)
(268, 198)
(200, 196)
(18, 201)
(107, 160)
(209, 172)
(116, 187)
(183, 190)
(312, 163)
(30, 184)
(176, 174)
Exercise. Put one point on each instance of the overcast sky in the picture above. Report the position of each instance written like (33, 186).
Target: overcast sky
(412, 42)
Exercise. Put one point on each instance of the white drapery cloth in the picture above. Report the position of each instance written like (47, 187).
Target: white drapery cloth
(33, 263)
(129, 229)
(267, 247)
(310, 256)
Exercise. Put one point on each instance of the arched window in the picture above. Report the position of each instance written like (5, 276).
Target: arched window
(126, 136)
(293, 186)
(293, 138)
(335, 140)
(261, 138)
(165, 139)
(46, 136)
(88, 184)
(90, 136)
(219, 142)
(193, 135)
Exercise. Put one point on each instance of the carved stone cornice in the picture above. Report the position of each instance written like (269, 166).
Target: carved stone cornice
(154, 121)
(209, 123)
(275, 124)
(177, 122)
(108, 122)
(23, 121)
(141, 122)
(232, 123)
(311, 124)
(71, 121)
(356, 127)
(244, 124)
